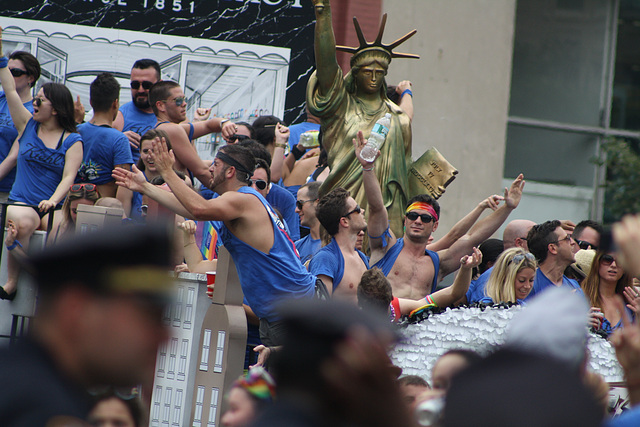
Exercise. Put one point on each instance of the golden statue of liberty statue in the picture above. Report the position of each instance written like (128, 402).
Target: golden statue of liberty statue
(348, 104)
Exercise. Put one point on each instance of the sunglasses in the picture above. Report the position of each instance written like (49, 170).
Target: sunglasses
(607, 259)
(567, 238)
(520, 257)
(146, 85)
(300, 203)
(585, 245)
(87, 187)
(426, 218)
(260, 184)
(179, 100)
(357, 209)
(38, 101)
(239, 137)
(17, 72)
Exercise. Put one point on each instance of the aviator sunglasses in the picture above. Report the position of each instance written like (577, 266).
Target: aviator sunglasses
(412, 216)
(178, 101)
(146, 85)
(261, 184)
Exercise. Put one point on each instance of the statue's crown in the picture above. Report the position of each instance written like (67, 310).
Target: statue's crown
(377, 45)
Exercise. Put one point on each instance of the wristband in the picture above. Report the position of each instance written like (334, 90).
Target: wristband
(223, 121)
(4, 61)
(297, 153)
(13, 245)
(367, 170)
(404, 92)
(281, 145)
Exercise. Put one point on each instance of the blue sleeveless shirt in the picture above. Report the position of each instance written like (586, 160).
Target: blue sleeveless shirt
(40, 168)
(387, 261)
(269, 278)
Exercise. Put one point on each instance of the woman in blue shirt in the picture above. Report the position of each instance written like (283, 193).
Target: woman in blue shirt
(512, 277)
(50, 153)
(605, 280)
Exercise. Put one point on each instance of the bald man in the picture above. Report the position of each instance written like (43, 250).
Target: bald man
(514, 235)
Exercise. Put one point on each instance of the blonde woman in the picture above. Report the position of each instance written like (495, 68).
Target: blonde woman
(512, 277)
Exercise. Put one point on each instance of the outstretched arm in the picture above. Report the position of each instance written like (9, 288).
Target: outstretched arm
(19, 113)
(483, 230)
(325, 46)
(448, 296)
(378, 221)
(465, 224)
(205, 127)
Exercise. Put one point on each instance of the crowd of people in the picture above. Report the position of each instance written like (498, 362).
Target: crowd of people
(320, 298)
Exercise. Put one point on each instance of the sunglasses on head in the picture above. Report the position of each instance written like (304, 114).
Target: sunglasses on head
(146, 85)
(17, 72)
(87, 187)
(412, 216)
(585, 245)
(607, 259)
(178, 101)
(357, 209)
(260, 184)
(520, 257)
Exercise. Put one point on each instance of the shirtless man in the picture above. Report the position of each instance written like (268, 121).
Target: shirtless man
(412, 270)
(169, 104)
(339, 265)
(268, 266)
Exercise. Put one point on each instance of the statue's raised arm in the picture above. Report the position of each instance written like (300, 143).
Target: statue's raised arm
(325, 46)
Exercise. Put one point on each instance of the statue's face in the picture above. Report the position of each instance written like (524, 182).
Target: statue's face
(371, 77)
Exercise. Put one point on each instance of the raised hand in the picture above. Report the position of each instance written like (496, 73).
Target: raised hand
(358, 144)
(162, 157)
(491, 202)
(134, 179)
(473, 260)
(513, 194)
(201, 114)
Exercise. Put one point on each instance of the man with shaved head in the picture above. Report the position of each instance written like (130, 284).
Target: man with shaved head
(514, 235)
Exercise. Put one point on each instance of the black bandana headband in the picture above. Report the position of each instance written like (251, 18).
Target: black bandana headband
(233, 162)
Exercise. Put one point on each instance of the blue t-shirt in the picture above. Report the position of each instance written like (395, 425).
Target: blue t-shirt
(267, 279)
(137, 121)
(489, 300)
(296, 130)
(330, 262)
(8, 134)
(477, 287)
(40, 168)
(307, 247)
(285, 203)
(542, 282)
(104, 148)
(629, 418)
(386, 263)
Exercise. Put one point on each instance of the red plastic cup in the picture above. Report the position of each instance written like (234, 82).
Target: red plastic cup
(211, 281)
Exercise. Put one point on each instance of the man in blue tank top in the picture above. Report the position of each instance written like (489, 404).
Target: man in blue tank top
(136, 117)
(170, 107)
(411, 269)
(267, 262)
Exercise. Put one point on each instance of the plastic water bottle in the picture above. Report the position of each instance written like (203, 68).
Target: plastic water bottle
(376, 139)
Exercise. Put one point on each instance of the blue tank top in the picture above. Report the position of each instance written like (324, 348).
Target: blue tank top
(387, 261)
(39, 168)
(269, 278)
(8, 134)
(137, 121)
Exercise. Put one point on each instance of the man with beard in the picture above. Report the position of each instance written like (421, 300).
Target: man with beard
(266, 260)
(169, 105)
